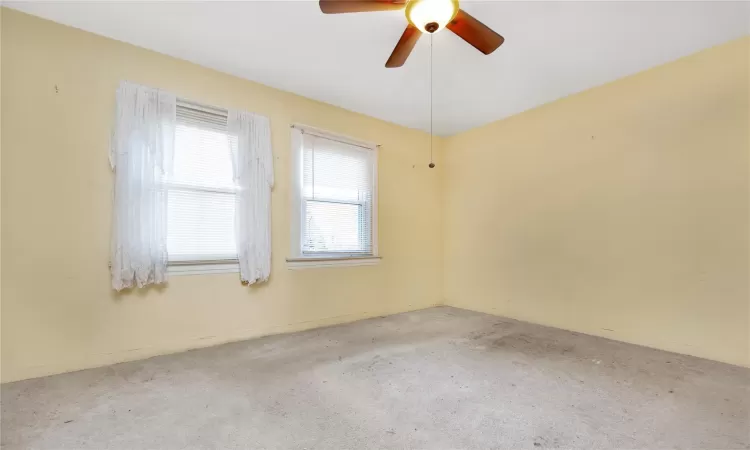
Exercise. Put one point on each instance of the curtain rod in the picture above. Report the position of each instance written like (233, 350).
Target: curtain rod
(330, 137)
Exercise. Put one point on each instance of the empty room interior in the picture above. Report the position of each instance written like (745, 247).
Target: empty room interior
(375, 224)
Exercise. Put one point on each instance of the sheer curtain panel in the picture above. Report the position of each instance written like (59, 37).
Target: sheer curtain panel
(141, 153)
(252, 161)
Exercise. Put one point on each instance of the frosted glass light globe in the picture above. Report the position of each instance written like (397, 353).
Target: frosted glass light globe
(424, 14)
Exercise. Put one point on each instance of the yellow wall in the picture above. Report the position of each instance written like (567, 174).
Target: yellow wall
(59, 312)
(620, 212)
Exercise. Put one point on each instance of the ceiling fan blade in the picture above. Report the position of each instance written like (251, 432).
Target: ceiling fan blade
(352, 6)
(403, 48)
(482, 37)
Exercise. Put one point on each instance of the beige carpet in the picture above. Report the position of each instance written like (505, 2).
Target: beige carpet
(432, 379)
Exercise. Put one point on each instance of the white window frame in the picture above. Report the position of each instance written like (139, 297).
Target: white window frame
(298, 260)
(203, 266)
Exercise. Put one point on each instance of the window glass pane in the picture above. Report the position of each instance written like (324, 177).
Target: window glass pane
(201, 190)
(337, 193)
(202, 157)
(333, 171)
(334, 227)
(200, 225)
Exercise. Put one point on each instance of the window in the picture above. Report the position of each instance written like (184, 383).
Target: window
(201, 191)
(335, 197)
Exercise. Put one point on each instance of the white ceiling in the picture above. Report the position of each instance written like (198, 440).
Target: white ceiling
(552, 49)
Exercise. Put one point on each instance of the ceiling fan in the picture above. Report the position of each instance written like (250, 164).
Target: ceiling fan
(426, 16)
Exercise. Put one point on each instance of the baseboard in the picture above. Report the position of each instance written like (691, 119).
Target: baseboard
(102, 360)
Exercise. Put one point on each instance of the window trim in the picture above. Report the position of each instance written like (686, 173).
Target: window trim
(309, 262)
(298, 259)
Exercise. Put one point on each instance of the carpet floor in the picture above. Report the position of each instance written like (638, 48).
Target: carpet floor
(433, 379)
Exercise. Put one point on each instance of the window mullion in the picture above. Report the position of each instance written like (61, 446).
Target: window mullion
(198, 188)
(335, 201)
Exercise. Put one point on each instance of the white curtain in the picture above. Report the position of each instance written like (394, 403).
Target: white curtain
(252, 161)
(141, 156)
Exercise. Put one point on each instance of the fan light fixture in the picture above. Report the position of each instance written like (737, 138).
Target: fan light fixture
(424, 16)
(431, 15)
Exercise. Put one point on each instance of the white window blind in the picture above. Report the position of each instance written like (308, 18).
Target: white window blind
(336, 199)
(201, 190)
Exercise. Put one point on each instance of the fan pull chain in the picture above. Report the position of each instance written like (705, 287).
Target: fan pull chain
(432, 164)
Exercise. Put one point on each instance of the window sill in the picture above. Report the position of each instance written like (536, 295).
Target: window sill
(313, 263)
(203, 268)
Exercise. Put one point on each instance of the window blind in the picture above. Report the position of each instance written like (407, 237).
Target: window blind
(337, 194)
(201, 190)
